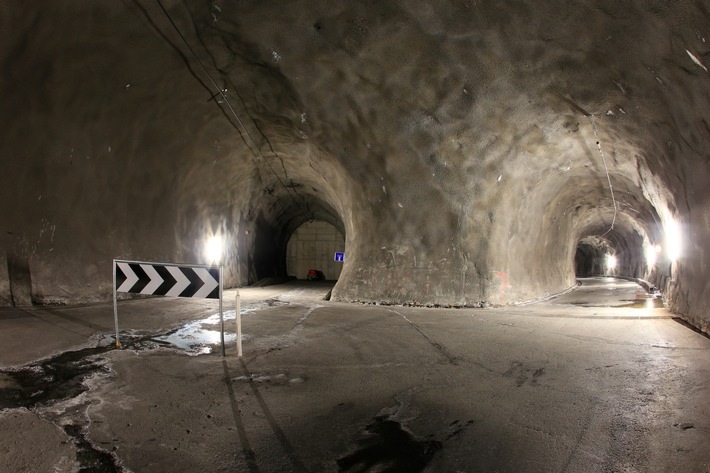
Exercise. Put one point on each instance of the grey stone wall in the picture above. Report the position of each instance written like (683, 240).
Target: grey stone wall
(465, 149)
(313, 246)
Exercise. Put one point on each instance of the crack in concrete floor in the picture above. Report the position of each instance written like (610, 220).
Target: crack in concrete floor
(325, 404)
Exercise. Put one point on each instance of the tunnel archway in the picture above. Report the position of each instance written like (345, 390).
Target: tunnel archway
(617, 251)
(312, 246)
(590, 257)
(276, 226)
(502, 151)
(569, 222)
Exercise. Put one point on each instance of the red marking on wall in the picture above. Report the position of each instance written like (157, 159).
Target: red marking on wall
(504, 284)
(405, 283)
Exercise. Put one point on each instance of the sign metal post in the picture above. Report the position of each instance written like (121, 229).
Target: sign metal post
(239, 324)
(221, 317)
(115, 305)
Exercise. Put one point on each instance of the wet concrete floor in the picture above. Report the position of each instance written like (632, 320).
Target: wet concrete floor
(595, 380)
(609, 292)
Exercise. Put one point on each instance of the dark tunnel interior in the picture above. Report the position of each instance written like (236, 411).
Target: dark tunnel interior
(384, 235)
(590, 258)
(492, 167)
(275, 227)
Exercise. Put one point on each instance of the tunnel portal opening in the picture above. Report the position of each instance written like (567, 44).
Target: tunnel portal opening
(292, 238)
(590, 258)
(616, 252)
(312, 247)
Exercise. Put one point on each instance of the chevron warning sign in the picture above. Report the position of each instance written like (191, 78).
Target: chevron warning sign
(168, 279)
(161, 279)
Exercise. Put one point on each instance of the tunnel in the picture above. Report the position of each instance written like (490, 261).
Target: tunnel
(315, 246)
(275, 231)
(590, 257)
(468, 153)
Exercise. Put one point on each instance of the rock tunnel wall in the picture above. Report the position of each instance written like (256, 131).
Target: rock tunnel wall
(464, 148)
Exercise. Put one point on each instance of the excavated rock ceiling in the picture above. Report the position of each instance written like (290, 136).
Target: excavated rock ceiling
(461, 146)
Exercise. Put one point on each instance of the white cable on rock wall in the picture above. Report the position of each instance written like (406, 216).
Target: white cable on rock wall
(575, 106)
(608, 178)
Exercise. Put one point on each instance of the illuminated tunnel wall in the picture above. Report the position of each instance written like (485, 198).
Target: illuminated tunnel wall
(312, 247)
(465, 149)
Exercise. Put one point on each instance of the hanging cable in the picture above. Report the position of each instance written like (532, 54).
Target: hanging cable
(222, 93)
(608, 178)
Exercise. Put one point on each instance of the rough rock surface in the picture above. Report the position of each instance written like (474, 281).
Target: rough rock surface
(587, 382)
(460, 145)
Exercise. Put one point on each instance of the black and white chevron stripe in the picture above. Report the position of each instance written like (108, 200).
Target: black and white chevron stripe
(167, 280)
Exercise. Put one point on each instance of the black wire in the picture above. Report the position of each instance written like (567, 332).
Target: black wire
(225, 100)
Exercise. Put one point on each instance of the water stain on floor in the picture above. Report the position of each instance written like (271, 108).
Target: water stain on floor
(645, 303)
(389, 449)
(92, 459)
(57, 378)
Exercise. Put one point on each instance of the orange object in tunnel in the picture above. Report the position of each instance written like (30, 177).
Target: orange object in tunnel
(315, 275)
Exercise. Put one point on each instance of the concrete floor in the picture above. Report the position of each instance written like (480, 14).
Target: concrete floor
(596, 380)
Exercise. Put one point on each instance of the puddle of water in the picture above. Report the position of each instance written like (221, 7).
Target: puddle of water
(201, 336)
(645, 303)
(62, 376)
(390, 448)
(641, 302)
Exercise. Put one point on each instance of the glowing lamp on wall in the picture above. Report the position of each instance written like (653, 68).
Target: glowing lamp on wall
(674, 241)
(213, 249)
(652, 253)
